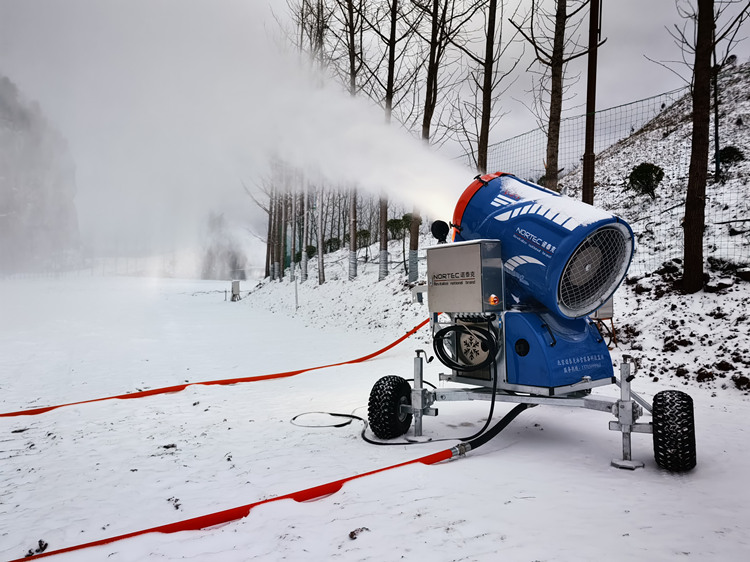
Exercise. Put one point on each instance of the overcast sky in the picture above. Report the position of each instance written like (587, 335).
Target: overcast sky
(169, 104)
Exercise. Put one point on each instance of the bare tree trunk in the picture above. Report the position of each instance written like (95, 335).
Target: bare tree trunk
(279, 226)
(352, 46)
(275, 238)
(321, 249)
(487, 77)
(437, 23)
(284, 233)
(269, 236)
(383, 227)
(402, 234)
(475, 120)
(340, 217)
(695, 202)
(293, 252)
(391, 76)
(305, 232)
(715, 79)
(589, 158)
(353, 70)
(433, 65)
(353, 235)
(414, 225)
(556, 96)
(389, 91)
(555, 59)
(430, 102)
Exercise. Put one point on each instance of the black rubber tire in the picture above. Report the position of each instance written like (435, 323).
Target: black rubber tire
(674, 431)
(384, 407)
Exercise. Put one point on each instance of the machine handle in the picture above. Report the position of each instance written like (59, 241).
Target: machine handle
(551, 335)
(595, 331)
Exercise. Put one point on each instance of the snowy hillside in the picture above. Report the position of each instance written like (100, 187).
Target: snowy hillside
(703, 338)
(665, 142)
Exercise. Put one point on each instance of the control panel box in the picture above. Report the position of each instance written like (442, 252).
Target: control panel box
(465, 277)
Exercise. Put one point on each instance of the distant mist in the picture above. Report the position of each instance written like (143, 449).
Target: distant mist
(38, 221)
(170, 106)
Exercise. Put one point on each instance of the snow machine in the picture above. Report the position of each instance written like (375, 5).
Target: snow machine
(509, 299)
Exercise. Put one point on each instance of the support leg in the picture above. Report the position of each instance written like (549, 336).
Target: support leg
(416, 395)
(421, 399)
(625, 418)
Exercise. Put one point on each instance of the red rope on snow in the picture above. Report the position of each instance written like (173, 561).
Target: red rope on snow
(229, 515)
(180, 387)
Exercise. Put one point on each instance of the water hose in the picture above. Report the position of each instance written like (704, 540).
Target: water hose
(463, 448)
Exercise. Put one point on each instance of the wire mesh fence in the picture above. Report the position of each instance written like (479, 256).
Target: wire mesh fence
(656, 129)
(525, 154)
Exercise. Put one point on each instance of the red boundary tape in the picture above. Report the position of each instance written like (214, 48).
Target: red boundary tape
(180, 387)
(228, 515)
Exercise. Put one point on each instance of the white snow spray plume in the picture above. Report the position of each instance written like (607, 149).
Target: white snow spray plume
(169, 106)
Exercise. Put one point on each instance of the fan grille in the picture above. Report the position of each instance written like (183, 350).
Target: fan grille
(594, 271)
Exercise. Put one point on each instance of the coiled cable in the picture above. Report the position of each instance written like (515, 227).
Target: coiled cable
(485, 336)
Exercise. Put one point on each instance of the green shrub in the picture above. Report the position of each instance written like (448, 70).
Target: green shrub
(396, 228)
(363, 237)
(332, 245)
(407, 220)
(645, 178)
(730, 155)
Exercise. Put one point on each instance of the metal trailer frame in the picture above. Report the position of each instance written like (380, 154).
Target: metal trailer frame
(466, 283)
(627, 409)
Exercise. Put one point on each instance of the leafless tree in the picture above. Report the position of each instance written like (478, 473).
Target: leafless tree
(321, 226)
(293, 249)
(263, 188)
(305, 232)
(311, 20)
(390, 76)
(275, 238)
(347, 63)
(270, 187)
(441, 23)
(554, 37)
(346, 38)
(708, 26)
(475, 114)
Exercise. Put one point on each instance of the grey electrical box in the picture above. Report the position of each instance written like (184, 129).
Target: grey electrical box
(465, 277)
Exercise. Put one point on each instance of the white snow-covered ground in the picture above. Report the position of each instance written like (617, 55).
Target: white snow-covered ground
(542, 490)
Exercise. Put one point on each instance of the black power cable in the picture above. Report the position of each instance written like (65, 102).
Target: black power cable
(488, 338)
(469, 443)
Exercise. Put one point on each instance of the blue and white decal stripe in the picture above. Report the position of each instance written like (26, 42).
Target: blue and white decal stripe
(501, 201)
(561, 219)
(516, 261)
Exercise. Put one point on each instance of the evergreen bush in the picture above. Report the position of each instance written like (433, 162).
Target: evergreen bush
(730, 155)
(645, 178)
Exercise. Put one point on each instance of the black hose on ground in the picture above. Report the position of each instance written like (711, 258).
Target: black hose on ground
(463, 448)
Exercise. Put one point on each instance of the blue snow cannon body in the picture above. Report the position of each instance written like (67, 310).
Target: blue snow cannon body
(561, 260)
